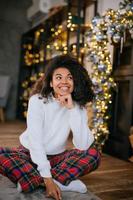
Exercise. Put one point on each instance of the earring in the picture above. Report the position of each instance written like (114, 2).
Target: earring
(51, 84)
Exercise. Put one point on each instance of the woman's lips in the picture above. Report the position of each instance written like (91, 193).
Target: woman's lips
(64, 88)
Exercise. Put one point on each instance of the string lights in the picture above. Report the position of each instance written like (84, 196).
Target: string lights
(70, 25)
(109, 28)
(26, 85)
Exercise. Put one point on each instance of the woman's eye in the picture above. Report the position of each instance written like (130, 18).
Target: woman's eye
(70, 78)
(58, 77)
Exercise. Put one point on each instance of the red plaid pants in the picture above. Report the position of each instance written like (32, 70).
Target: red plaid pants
(16, 164)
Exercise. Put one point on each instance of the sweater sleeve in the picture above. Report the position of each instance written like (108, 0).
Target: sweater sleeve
(35, 120)
(78, 120)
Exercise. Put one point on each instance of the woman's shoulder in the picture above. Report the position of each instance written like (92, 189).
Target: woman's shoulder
(36, 99)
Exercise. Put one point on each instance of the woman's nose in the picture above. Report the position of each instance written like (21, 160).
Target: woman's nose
(64, 80)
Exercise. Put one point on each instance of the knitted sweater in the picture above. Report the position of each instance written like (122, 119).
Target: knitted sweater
(48, 128)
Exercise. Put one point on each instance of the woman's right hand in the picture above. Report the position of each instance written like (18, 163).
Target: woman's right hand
(52, 189)
(66, 101)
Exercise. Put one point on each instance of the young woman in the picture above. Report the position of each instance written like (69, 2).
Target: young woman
(56, 107)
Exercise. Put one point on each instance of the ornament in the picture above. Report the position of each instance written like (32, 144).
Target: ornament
(129, 7)
(116, 38)
(111, 30)
(102, 67)
(94, 81)
(99, 37)
(121, 5)
(98, 89)
(95, 59)
(103, 81)
(126, 1)
(119, 27)
(97, 20)
(89, 34)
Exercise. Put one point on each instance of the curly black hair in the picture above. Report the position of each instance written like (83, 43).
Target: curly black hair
(82, 92)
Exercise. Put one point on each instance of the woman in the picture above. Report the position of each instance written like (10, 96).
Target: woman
(56, 107)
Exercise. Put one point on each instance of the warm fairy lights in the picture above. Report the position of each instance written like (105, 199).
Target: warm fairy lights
(26, 85)
(70, 25)
(109, 28)
(59, 46)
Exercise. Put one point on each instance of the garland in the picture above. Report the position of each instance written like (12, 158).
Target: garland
(107, 29)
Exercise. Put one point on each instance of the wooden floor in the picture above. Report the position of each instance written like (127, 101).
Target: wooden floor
(112, 181)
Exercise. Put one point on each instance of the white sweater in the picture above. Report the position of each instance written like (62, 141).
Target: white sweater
(48, 128)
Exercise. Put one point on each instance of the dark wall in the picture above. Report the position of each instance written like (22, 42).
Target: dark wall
(13, 23)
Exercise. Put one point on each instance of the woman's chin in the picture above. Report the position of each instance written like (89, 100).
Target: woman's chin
(64, 93)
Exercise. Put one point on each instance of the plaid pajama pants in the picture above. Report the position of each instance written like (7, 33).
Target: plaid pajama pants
(16, 164)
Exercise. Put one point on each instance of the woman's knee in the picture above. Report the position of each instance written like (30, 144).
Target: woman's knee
(6, 150)
(95, 154)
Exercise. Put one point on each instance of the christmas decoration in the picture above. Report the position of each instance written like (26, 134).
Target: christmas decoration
(109, 28)
(26, 85)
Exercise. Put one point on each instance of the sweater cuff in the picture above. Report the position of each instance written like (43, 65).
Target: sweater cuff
(45, 173)
(45, 170)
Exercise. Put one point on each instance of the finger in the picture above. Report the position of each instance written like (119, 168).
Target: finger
(55, 195)
(48, 194)
(62, 98)
(62, 103)
(59, 193)
(66, 99)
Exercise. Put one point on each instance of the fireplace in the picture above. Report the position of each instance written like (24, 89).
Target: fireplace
(118, 143)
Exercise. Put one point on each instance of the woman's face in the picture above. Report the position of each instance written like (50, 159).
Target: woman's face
(62, 82)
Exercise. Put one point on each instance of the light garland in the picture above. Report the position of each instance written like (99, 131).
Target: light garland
(109, 28)
(31, 57)
(59, 46)
(26, 85)
(70, 25)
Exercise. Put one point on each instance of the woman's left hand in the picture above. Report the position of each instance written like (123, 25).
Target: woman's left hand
(52, 189)
(66, 101)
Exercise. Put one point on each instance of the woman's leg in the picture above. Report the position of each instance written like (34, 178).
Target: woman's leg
(76, 163)
(4, 150)
(17, 166)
